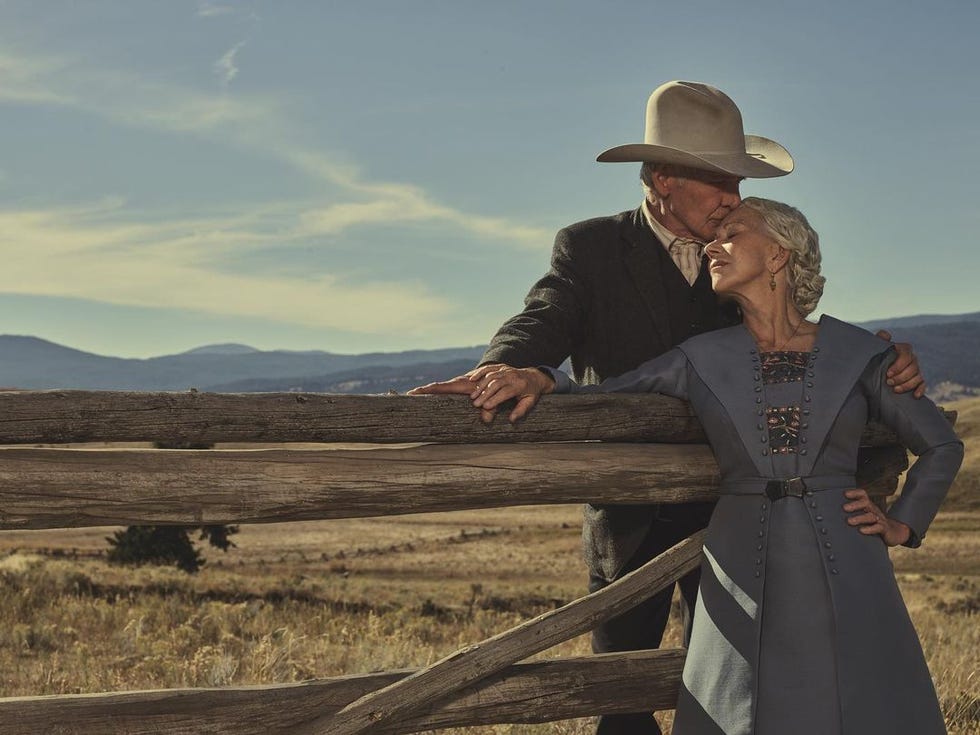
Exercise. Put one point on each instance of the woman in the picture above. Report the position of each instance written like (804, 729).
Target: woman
(800, 627)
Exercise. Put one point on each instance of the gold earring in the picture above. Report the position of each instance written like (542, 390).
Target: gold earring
(772, 280)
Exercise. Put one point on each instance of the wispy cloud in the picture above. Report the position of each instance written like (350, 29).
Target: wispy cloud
(124, 97)
(225, 68)
(255, 123)
(22, 80)
(106, 251)
(81, 252)
(207, 9)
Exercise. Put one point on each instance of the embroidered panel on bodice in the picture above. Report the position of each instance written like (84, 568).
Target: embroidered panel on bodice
(783, 420)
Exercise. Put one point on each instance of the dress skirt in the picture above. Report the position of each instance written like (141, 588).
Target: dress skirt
(763, 655)
(798, 648)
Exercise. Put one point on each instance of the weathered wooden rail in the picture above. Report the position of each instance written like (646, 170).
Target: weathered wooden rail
(550, 458)
(63, 417)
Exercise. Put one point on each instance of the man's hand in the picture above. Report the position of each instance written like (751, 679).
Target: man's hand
(498, 383)
(904, 374)
(490, 385)
(461, 385)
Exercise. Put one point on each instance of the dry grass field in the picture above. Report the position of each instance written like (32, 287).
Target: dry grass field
(319, 599)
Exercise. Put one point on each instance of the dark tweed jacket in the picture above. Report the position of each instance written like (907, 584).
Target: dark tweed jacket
(603, 304)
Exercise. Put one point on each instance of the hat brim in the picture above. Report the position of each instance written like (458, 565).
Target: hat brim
(763, 158)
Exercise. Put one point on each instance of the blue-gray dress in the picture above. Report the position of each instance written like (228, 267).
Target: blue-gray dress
(800, 626)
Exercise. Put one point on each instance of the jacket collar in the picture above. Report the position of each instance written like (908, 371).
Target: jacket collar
(644, 265)
(727, 361)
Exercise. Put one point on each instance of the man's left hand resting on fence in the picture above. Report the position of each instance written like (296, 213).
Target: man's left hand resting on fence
(490, 385)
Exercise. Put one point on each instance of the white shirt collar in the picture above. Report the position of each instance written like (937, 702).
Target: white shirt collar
(665, 236)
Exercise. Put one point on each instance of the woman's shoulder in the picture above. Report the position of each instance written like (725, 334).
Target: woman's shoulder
(843, 336)
(840, 327)
(835, 337)
(718, 340)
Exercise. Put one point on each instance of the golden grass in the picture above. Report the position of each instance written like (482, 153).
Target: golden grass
(324, 598)
(965, 493)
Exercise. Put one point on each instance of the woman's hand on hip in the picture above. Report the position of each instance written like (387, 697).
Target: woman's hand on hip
(870, 519)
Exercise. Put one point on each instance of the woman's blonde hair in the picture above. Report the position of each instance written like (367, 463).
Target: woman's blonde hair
(790, 229)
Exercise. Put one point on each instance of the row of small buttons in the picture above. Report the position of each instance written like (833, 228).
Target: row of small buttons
(759, 546)
(823, 530)
(807, 397)
(757, 377)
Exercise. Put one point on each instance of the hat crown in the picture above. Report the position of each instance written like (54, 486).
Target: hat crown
(697, 126)
(694, 117)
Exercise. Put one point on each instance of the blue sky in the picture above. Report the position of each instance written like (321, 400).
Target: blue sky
(387, 175)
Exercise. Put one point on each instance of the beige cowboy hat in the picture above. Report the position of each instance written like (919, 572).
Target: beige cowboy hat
(696, 125)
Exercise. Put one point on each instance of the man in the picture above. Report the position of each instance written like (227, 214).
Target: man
(627, 288)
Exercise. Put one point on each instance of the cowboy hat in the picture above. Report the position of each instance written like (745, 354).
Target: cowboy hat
(695, 125)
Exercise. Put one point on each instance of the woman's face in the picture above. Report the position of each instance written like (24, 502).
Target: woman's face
(741, 255)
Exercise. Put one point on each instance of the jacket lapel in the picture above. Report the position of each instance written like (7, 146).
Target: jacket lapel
(726, 360)
(841, 354)
(643, 263)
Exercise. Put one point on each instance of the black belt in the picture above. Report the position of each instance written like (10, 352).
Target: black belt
(776, 488)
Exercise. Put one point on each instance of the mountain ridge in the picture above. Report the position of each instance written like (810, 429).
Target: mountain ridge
(948, 351)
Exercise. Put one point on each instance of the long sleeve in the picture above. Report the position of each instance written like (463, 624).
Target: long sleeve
(922, 427)
(553, 317)
(667, 374)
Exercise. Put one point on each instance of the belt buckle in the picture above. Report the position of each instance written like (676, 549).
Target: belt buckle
(776, 489)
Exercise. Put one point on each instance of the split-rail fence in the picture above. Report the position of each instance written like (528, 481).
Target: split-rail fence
(651, 451)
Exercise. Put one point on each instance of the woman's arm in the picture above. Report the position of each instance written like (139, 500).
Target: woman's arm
(494, 384)
(665, 374)
(923, 428)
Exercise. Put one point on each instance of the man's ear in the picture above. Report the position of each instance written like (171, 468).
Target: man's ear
(663, 182)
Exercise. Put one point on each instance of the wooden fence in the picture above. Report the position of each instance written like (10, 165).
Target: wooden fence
(652, 452)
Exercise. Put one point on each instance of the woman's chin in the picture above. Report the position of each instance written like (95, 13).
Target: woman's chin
(719, 286)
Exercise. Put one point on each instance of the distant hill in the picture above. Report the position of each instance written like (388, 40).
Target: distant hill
(949, 352)
(965, 493)
(920, 320)
(33, 363)
(948, 347)
(372, 379)
(228, 348)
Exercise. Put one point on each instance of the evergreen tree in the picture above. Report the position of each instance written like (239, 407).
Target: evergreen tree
(166, 545)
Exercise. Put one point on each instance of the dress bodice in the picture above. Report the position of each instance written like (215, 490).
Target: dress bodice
(783, 377)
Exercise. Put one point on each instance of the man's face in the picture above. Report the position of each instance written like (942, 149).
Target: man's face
(697, 202)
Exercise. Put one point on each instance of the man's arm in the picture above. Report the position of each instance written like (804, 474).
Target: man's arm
(904, 375)
(545, 333)
(553, 319)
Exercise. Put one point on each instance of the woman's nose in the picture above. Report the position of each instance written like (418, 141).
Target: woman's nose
(712, 249)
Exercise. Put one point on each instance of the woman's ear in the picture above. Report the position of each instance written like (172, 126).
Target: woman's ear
(779, 259)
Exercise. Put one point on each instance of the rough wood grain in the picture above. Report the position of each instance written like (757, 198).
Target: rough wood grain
(542, 691)
(61, 417)
(64, 488)
(475, 662)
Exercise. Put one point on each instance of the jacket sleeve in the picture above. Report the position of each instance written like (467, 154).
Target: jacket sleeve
(667, 374)
(554, 314)
(922, 428)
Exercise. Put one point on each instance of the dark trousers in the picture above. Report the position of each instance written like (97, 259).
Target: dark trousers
(643, 626)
